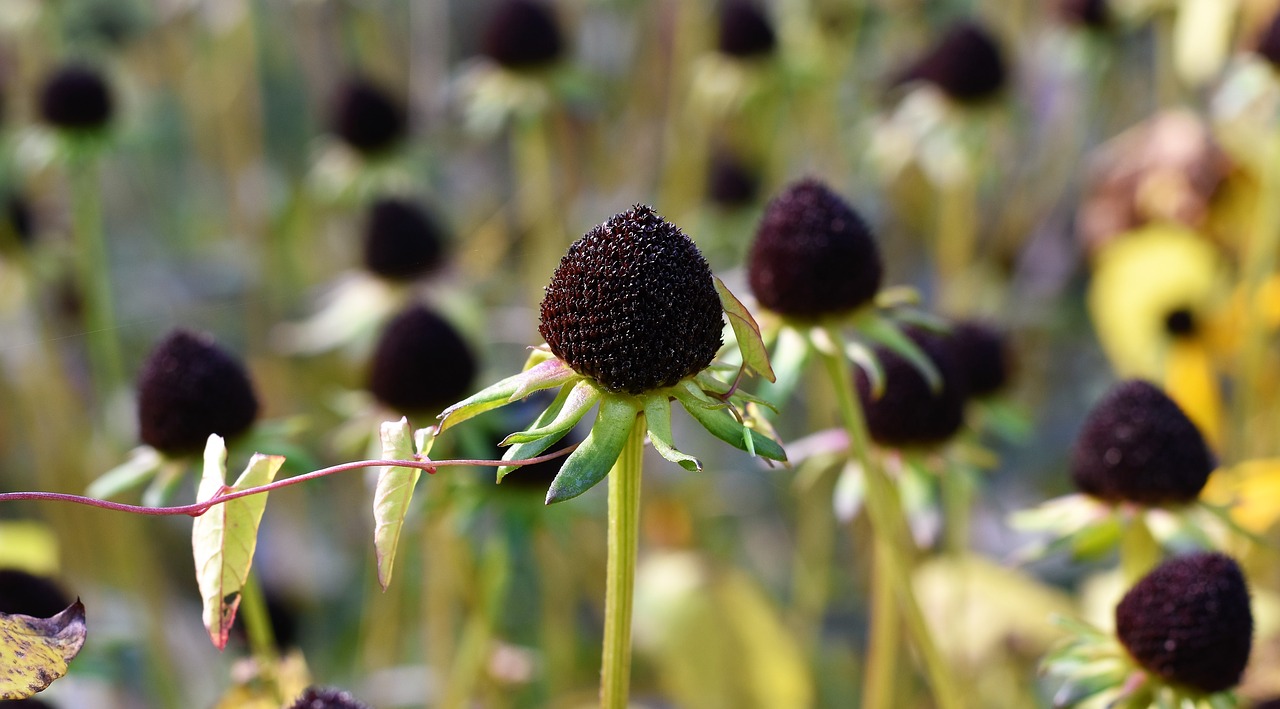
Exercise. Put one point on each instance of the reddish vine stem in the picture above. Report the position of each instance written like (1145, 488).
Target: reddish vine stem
(199, 508)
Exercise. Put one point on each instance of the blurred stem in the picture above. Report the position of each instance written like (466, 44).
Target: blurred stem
(535, 181)
(882, 646)
(477, 635)
(95, 275)
(884, 509)
(257, 621)
(558, 595)
(620, 570)
(957, 499)
(1139, 550)
(440, 563)
(815, 540)
(956, 241)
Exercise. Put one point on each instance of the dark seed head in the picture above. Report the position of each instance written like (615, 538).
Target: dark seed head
(523, 34)
(368, 118)
(1180, 323)
(730, 181)
(421, 364)
(1269, 43)
(76, 97)
(327, 698)
(190, 388)
(17, 214)
(909, 413)
(401, 241)
(1138, 446)
(1189, 622)
(1094, 14)
(28, 594)
(632, 305)
(745, 30)
(813, 255)
(966, 64)
(984, 356)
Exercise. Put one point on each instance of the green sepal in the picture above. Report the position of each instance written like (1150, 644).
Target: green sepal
(537, 446)
(923, 320)
(657, 413)
(885, 333)
(755, 358)
(550, 373)
(143, 464)
(724, 426)
(690, 391)
(594, 458)
(575, 402)
(865, 358)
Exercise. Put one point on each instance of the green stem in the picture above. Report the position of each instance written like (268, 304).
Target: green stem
(624, 533)
(95, 276)
(257, 622)
(882, 646)
(957, 500)
(536, 197)
(884, 509)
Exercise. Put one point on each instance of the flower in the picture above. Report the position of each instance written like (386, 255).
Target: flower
(421, 363)
(966, 64)
(1094, 14)
(984, 356)
(76, 97)
(367, 118)
(744, 30)
(326, 698)
(731, 181)
(909, 410)
(28, 594)
(523, 34)
(401, 241)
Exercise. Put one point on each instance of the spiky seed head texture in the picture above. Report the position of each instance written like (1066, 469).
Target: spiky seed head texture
(1268, 46)
(327, 698)
(523, 34)
(190, 388)
(1138, 446)
(730, 181)
(421, 363)
(984, 356)
(401, 241)
(1189, 622)
(1094, 14)
(745, 30)
(27, 594)
(909, 413)
(813, 255)
(76, 97)
(966, 64)
(633, 305)
(367, 117)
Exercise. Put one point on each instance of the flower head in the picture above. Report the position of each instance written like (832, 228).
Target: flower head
(523, 34)
(983, 355)
(401, 241)
(327, 698)
(744, 30)
(911, 411)
(1268, 46)
(76, 97)
(367, 118)
(421, 363)
(966, 64)
(28, 594)
(731, 182)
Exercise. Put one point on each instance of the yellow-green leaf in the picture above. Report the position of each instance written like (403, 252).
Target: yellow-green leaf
(755, 358)
(394, 491)
(224, 538)
(35, 651)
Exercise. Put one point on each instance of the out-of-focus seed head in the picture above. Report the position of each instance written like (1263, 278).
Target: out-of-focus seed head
(190, 388)
(1181, 323)
(745, 30)
(368, 118)
(28, 594)
(17, 215)
(1268, 46)
(421, 363)
(1094, 14)
(813, 255)
(1138, 446)
(730, 181)
(966, 64)
(523, 34)
(327, 698)
(984, 356)
(76, 97)
(633, 305)
(401, 241)
(909, 413)
(1189, 622)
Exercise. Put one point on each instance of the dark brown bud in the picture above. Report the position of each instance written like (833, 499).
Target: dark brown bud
(745, 30)
(1094, 14)
(731, 182)
(27, 594)
(966, 64)
(368, 118)
(401, 241)
(909, 412)
(327, 698)
(421, 363)
(984, 356)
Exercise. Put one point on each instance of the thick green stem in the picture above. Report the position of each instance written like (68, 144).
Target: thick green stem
(95, 276)
(257, 622)
(882, 648)
(624, 533)
(884, 509)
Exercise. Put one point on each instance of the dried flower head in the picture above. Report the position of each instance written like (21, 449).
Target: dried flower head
(421, 363)
(76, 97)
(327, 698)
(523, 34)
(368, 118)
(1189, 622)
(984, 356)
(1138, 446)
(190, 388)
(745, 30)
(813, 255)
(401, 241)
(28, 594)
(910, 412)
(966, 64)
(633, 305)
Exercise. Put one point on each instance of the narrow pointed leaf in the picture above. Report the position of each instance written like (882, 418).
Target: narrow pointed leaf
(392, 495)
(657, 414)
(577, 402)
(867, 361)
(886, 333)
(35, 651)
(142, 464)
(536, 447)
(592, 460)
(548, 374)
(693, 393)
(724, 426)
(223, 539)
(708, 383)
(755, 358)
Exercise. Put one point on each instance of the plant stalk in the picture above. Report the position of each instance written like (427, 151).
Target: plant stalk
(95, 277)
(257, 622)
(623, 537)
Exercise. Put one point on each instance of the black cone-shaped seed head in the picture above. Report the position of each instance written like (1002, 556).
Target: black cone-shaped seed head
(523, 34)
(28, 594)
(190, 388)
(76, 97)
(633, 305)
(1189, 622)
(421, 364)
(368, 118)
(1269, 43)
(327, 698)
(966, 64)
(813, 255)
(909, 413)
(1094, 14)
(984, 356)
(1138, 446)
(745, 30)
(401, 241)
(730, 181)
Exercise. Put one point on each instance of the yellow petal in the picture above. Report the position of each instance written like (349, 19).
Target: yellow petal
(1190, 381)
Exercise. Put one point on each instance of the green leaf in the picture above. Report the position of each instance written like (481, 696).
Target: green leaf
(724, 426)
(755, 358)
(886, 333)
(1096, 539)
(223, 539)
(545, 375)
(536, 447)
(867, 361)
(142, 464)
(35, 651)
(393, 493)
(591, 462)
(657, 413)
(576, 402)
